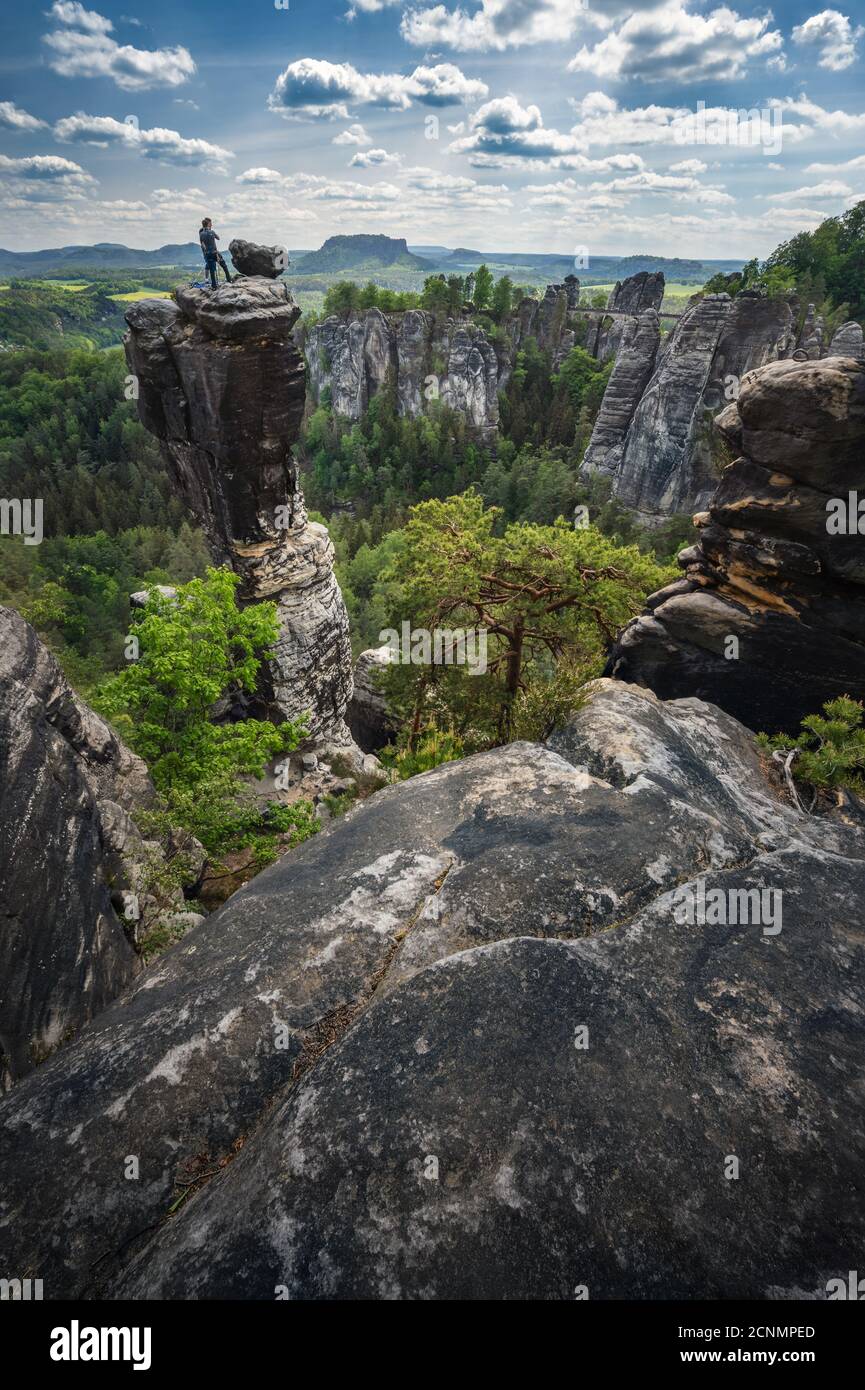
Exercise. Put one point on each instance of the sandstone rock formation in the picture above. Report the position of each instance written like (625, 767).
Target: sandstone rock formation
(371, 728)
(633, 297)
(810, 341)
(549, 321)
(378, 1045)
(221, 384)
(665, 459)
(249, 258)
(847, 341)
(767, 570)
(635, 359)
(454, 362)
(80, 886)
(67, 785)
(426, 359)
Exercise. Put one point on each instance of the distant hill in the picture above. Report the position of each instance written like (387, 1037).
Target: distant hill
(105, 255)
(367, 256)
(430, 253)
(361, 253)
(674, 267)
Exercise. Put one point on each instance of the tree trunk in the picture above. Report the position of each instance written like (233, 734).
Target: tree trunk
(512, 676)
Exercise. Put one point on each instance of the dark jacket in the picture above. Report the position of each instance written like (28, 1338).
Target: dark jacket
(208, 238)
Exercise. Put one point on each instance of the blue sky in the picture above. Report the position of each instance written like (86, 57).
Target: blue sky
(538, 125)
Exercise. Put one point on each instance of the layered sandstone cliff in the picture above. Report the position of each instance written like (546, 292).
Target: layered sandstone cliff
(423, 360)
(769, 619)
(221, 384)
(628, 300)
(79, 886)
(653, 434)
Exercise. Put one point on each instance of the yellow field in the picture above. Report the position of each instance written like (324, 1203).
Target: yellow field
(141, 294)
(73, 286)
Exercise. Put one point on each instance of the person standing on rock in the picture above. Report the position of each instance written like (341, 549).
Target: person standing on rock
(212, 255)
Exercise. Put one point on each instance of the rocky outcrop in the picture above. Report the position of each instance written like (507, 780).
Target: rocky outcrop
(81, 888)
(769, 619)
(549, 321)
(250, 258)
(464, 1043)
(368, 719)
(847, 341)
(635, 360)
(221, 384)
(67, 782)
(422, 359)
(427, 359)
(631, 297)
(667, 459)
(810, 343)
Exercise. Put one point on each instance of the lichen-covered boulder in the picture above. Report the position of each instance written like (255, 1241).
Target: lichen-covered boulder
(461, 1044)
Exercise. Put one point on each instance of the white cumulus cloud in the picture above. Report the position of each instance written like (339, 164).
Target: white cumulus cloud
(353, 135)
(83, 47)
(14, 118)
(314, 87)
(671, 44)
(163, 145)
(833, 35)
(373, 159)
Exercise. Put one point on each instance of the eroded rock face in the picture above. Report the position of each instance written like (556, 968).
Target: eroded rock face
(424, 361)
(66, 782)
(427, 359)
(767, 570)
(634, 297)
(847, 341)
(368, 718)
(222, 385)
(379, 1033)
(665, 460)
(635, 359)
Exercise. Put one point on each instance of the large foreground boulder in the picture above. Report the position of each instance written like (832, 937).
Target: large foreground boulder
(769, 619)
(463, 1043)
